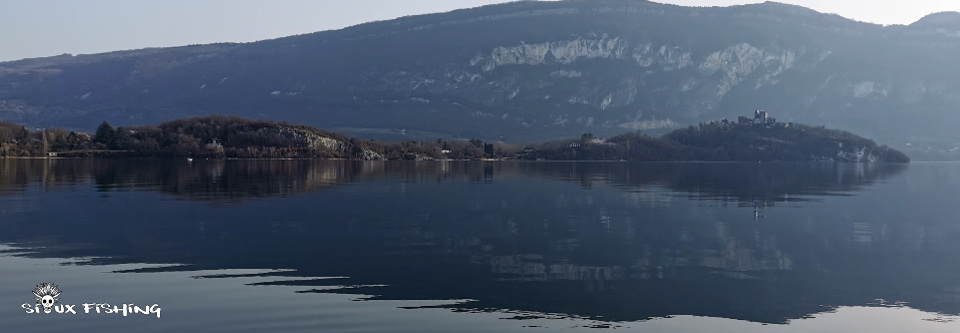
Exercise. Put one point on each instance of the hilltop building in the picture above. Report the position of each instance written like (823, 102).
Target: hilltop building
(760, 117)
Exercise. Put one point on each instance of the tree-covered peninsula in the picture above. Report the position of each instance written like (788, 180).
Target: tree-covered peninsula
(223, 137)
(725, 141)
(236, 137)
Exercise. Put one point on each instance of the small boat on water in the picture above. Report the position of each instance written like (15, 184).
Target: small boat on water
(189, 159)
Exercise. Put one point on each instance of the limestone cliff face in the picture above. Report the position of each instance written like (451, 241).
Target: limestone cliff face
(531, 71)
(705, 79)
(562, 52)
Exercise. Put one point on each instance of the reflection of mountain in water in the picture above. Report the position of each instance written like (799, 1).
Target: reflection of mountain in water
(626, 244)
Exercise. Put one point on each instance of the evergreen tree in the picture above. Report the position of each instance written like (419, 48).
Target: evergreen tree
(121, 139)
(105, 134)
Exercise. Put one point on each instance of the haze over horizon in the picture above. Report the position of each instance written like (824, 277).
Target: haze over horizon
(45, 27)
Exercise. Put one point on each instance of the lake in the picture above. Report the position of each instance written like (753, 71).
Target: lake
(342, 246)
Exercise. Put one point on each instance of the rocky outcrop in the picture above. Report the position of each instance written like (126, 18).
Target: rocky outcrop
(562, 52)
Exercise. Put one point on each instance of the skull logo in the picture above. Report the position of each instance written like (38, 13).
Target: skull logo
(47, 294)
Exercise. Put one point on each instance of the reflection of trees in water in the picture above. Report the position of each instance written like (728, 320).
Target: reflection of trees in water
(235, 179)
(16, 174)
(228, 179)
(200, 179)
(725, 181)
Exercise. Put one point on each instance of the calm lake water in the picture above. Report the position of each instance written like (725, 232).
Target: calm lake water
(333, 246)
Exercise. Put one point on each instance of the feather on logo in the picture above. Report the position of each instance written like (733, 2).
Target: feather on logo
(47, 295)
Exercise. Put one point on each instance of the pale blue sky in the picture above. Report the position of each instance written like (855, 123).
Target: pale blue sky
(34, 28)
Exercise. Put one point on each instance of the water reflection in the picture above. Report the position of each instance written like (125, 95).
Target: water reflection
(610, 241)
(222, 180)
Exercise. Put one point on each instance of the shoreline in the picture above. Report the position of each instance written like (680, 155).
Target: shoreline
(444, 160)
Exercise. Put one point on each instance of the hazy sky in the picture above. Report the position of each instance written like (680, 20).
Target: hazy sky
(34, 28)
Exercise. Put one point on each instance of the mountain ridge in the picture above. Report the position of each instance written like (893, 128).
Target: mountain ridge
(529, 71)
